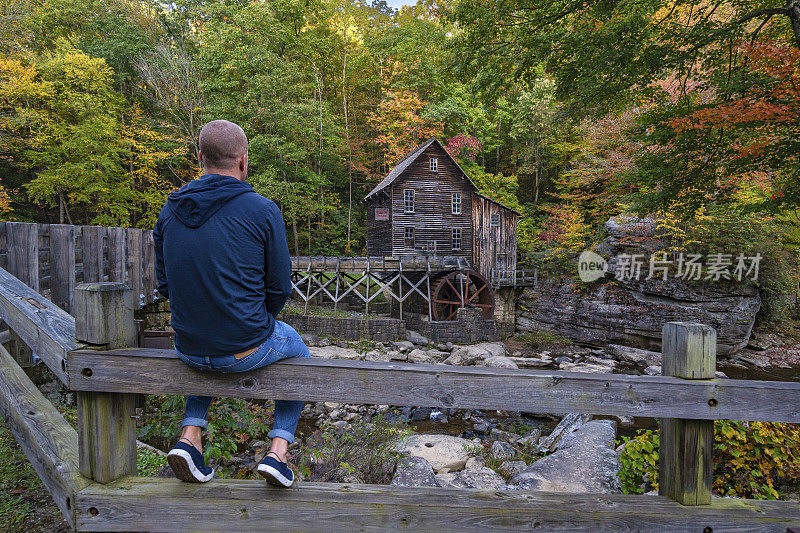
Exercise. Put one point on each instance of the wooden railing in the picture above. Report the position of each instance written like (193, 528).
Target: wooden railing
(53, 258)
(91, 474)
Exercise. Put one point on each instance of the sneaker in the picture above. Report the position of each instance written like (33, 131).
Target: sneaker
(275, 472)
(187, 463)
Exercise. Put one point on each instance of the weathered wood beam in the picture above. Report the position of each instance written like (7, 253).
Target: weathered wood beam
(49, 442)
(44, 327)
(157, 504)
(686, 464)
(106, 424)
(373, 382)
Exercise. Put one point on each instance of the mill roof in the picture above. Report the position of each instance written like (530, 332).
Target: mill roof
(410, 158)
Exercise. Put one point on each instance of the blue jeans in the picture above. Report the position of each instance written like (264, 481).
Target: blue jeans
(285, 342)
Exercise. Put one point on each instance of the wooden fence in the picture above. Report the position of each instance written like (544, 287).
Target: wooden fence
(91, 472)
(52, 258)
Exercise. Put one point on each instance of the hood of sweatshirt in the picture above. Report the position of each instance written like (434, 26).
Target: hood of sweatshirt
(198, 200)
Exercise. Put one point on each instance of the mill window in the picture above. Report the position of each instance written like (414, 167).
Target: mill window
(456, 203)
(408, 201)
(495, 223)
(434, 164)
(456, 238)
(409, 235)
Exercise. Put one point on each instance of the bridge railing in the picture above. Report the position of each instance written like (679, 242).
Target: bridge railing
(91, 474)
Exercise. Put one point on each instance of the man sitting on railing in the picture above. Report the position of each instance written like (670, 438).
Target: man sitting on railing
(223, 262)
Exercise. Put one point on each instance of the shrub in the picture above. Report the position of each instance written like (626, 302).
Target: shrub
(751, 459)
(365, 451)
(148, 462)
(232, 422)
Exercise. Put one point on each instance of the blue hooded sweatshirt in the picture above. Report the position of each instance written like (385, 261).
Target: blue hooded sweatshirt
(223, 262)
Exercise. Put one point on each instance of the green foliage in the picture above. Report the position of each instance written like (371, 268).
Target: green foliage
(17, 478)
(366, 451)
(735, 230)
(148, 462)
(751, 459)
(232, 423)
(639, 458)
(542, 339)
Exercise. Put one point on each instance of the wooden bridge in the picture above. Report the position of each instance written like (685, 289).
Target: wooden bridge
(91, 473)
(53, 258)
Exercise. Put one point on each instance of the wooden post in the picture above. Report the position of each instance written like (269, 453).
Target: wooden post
(92, 244)
(116, 254)
(133, 262)
(104, 314)
(685, 459)
(23, 252)
(23, 263)
(62, 265)
(106, 423)
(148, 266)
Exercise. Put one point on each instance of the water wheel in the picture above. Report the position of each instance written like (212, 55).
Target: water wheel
(465, 288)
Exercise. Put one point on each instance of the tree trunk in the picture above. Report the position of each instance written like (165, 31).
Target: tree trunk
(349, 146)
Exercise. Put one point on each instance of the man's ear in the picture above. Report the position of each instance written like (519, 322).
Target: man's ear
(200, 156)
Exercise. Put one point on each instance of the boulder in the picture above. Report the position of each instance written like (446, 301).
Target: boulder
(473, 478)
(417, 339)
(403, 346)
(377, 355)
(471, 354)
(570, 423)
(642, 358)
(632, 312)
(653, 370)
(414, 472)
(586, 367)
(438, 355)
(475, 462)
(441, 451)
(498, 361)
(502, 450)
(512, 468)
(419, 356)
(310, 339)
(585, 462)
(334, 352)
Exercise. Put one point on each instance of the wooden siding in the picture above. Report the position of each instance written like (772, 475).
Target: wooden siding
(432, 219)
(495, 248)
(379, 233)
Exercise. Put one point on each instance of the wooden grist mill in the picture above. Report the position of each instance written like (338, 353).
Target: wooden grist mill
(434, 244)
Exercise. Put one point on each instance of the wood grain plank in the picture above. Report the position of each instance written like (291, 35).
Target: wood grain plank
(47, 329)
(116, 254)
(23, 252)
(49, 442)
(133, 262)
(151, 504)
(148, 266)
(92, 242)
(141, 370)
(62, 265)
(106, 435)
(686, 461)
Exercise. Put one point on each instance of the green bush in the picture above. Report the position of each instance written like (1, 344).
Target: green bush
(148, 462)
(751, 460)
(365, 452)
(232, 422)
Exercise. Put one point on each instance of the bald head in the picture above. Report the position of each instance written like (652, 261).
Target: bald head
(223, 148)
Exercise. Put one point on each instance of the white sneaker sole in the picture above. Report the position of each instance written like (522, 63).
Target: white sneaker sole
(274, 477)
(184, 469)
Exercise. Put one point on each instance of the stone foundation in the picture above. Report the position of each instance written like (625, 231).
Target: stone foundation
(468, 328)
(376, 329)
